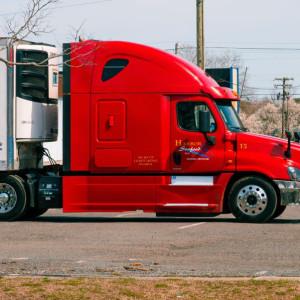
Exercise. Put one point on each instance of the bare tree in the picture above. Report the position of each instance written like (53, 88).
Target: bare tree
(222, 60)
(187, 52)
(31, 21)
(77, 32)
(212, 60)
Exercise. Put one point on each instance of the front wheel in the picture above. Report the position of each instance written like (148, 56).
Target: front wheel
(13, 201)
(253, 199)
(279, 211)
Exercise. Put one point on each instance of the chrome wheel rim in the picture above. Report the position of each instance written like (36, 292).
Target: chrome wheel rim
(8, 198)
(252, 200)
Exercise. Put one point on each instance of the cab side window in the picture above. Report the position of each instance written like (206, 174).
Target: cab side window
(188, 115)
(113, 67)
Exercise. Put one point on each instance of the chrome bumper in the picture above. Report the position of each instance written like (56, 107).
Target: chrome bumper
(289, 192)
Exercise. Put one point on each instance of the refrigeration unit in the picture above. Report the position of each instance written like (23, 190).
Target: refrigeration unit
(28, 102)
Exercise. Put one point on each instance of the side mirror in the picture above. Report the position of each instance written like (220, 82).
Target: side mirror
(204, 121)
(204, 126)
(288, 135)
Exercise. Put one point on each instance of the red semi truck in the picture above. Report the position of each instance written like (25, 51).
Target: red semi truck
(146, 130)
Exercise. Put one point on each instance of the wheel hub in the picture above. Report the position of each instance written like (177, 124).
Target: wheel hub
(8, 198)
(4, 198)
(252, 200)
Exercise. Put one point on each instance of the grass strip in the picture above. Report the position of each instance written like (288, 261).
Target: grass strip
(139, 288)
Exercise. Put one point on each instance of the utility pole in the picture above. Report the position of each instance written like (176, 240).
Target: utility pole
(284, 110)
(176, 48)
(200, 34)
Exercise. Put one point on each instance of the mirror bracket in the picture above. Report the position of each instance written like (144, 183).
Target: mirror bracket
(211, 140)
(287, 153)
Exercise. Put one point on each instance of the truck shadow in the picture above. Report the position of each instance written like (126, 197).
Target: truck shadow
(79, 219)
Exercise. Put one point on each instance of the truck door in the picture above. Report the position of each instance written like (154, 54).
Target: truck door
(191, 152)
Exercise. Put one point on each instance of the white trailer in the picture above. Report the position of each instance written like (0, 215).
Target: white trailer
(28, 118)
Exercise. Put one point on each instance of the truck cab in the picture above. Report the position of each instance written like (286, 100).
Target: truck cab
(146, 130)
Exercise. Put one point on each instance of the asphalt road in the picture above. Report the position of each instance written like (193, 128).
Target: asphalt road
(137, 244)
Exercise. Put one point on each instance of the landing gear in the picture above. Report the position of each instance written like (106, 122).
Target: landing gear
(13, 199)
(253, 199)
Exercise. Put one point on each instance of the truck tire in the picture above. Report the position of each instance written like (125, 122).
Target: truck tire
(33, 213)
(13, 200)
(253, 199)
(279, 211)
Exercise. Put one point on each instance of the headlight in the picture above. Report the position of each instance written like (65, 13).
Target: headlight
(294, 173)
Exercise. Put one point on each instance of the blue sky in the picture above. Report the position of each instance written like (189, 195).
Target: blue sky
(162, 23)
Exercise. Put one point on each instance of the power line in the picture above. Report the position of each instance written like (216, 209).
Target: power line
(233, 43)
(272, 91)
(256, 48)
(256, 88)
(81, 4)
(62, 6)
(255, 94)
(240, 48)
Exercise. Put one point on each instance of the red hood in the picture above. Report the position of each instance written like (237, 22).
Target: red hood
(265, 154)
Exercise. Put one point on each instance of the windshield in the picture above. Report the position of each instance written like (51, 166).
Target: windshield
(230, 116)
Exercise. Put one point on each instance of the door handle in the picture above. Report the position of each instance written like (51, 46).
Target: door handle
(111, 121)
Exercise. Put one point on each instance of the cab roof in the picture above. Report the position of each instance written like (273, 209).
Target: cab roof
(149, 70)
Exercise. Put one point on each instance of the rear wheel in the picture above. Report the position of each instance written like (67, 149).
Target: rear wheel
(253, 199)
(33, 213)
(13, 200)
